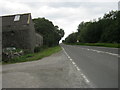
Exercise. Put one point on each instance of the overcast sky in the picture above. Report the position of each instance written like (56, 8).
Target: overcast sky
(67, 14)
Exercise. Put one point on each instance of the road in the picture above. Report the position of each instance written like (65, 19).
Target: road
(98, 64)
(73, 67)
(55, 71)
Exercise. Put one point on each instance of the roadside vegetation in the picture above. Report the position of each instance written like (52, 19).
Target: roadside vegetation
(104, 31)
(35, 56)
(97, 44)
(51, 33)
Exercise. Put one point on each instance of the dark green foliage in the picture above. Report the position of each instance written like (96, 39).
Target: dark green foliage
(34, 56)
(37, 49)
(105, 30)
(72, 38)
(90, 33)
(113, 45)
(111, 30)
(51, 34)
(111, 34)
(40, 48)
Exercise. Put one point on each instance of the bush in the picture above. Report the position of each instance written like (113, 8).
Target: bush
(37, 49)
(10, 53)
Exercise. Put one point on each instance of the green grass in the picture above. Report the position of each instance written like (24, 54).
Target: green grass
(98, 44)
(35, 56)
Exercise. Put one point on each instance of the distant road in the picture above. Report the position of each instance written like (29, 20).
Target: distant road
(98, 64)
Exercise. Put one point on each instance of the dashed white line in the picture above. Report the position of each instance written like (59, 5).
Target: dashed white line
(70, 59)
(85, 78)
(73, 63)
(88, 49)
(103, 52)
(112, 54)
(77, 68)
(65, 52)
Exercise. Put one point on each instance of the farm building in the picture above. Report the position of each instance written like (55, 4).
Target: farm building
(18, 31)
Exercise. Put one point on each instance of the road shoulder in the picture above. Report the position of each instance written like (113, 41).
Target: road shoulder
(55, 71)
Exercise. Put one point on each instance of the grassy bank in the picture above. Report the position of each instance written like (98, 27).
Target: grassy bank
(98, 44)
(35, 56)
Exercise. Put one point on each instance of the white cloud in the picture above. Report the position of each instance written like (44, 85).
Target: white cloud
(13, 7)
(67, 14)
(62, 0)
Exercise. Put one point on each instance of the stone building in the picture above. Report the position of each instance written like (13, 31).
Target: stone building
(39, 40)
(18, 31)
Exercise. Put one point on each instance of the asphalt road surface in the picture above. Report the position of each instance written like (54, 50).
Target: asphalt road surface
(73, 67)
(55, 71)
(98, 64)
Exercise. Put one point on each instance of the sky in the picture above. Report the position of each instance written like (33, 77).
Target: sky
(67, 14)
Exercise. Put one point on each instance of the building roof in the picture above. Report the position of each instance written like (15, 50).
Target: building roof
(15, 21)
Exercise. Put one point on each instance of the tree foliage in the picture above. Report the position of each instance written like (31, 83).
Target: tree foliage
(104, 30)
(51, 34)
(72, 38)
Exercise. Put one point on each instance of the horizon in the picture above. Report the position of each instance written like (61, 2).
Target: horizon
(61, 13)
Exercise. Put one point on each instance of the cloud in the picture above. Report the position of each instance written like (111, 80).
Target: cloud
(13, 7)
(67, 14)
(62, 0)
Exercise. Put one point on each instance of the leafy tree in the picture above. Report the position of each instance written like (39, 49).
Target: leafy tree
(80, 26)
(112, 30)
(106, 29)
(51, 34)
(72, 38)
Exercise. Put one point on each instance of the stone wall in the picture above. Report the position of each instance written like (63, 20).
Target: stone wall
(20, 34)
(18, 39)
(39, 40)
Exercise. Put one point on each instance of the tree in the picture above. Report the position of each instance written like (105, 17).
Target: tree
(51, 34)
(72, 38)
(106, 29)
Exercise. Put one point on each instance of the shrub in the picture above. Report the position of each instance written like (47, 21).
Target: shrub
(37, 49)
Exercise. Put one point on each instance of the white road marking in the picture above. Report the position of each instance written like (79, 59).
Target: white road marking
(106, 47)
(73, 63)
(102, 52)
(85, 78)
(77, 68)
(65, 52)
(70, 59)
(98, 51)
(88, 49)
(111, 53)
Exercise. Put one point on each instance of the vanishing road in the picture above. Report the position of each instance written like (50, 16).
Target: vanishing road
(98, 64)
(73, 67)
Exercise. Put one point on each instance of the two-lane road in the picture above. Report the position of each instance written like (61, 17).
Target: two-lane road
(98, 64)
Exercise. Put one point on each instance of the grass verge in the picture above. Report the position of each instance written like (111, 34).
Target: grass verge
(112, 45)
(35, 56)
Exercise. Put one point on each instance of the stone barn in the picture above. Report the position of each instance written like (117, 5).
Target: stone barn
(18, 31)
(39, 40)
